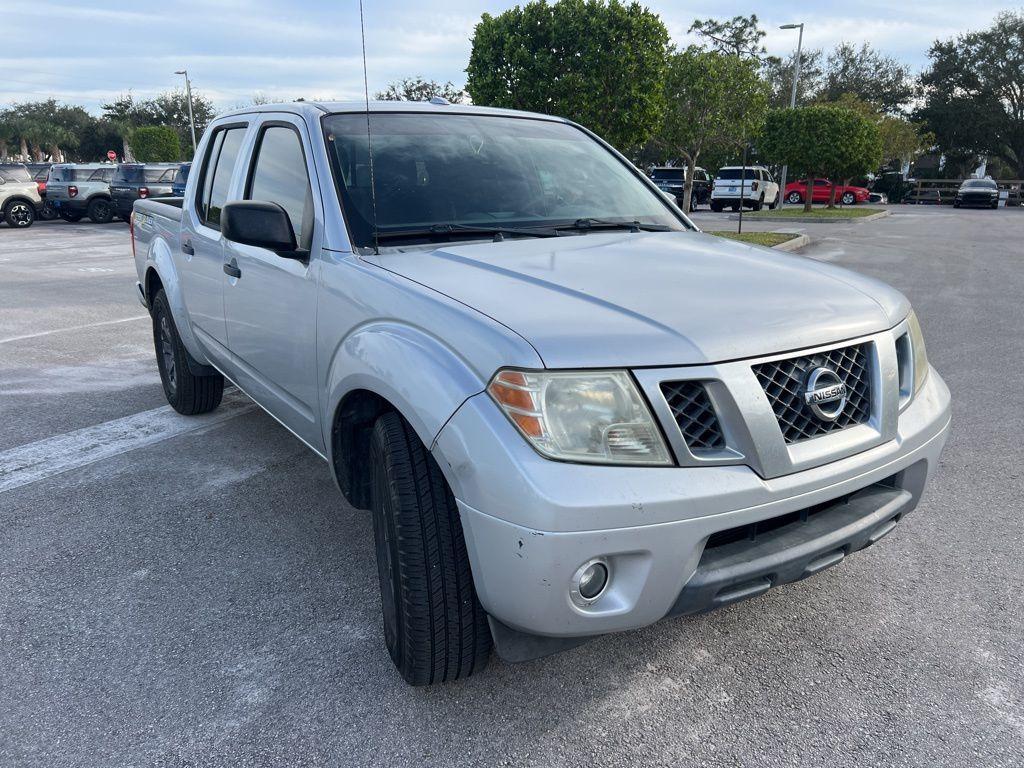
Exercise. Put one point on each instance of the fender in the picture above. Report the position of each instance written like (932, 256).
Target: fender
(159, 258)
(418, 373)
(19, 198)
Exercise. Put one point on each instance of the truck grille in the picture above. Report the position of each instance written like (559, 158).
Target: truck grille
(692, 409)
(783, 383)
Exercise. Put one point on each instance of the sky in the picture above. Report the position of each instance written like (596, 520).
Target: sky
(88, 52)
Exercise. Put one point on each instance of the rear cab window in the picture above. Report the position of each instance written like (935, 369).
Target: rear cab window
(218, 168)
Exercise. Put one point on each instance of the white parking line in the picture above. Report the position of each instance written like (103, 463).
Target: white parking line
(72, 328)
(53, 455)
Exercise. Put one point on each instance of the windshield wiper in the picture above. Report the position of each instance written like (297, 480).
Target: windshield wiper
(438, 230)
(587, 224)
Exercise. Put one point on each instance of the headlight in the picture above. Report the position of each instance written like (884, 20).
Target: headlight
(594, 417)
(912, 360)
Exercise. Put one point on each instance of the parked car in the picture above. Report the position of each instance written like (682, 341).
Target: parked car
(19, 196)
(977, 192)
(135, 181)
(796, 192)
(756, 190)
(672, 180)
(39, 172)
(77, 190)
(568, 411)
(180, 179)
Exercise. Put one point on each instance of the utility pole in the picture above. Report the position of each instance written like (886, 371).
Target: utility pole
(792, 94)
(188, 93)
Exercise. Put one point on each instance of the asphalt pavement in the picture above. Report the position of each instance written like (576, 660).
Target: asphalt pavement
(177, 593)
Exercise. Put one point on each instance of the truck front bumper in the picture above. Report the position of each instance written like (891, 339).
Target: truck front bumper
(676, 540)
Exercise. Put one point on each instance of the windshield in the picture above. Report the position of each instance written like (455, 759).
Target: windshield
(15, 173)
(450, 171)
(980, 184)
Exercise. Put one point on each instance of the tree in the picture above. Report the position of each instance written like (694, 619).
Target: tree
(901, 140)
(740, 35)
(419, 89)
(779, 74)
(599, 63)
(868, 75)
(974, 93)
(714, 102)
(169, 109)
(156, 144)
(821, 141)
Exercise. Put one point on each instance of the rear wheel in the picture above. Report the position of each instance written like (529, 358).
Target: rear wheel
(19, 214)
(187, 393)
(434, 626)
(69, 216)
(101, 210)
(716, 207)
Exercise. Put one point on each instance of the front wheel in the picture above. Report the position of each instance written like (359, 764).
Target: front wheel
(434, 626)
(101, 211)
(849, 198)
(187, 393)
(47, 212)
(69, 216)
(716, 207)
(19, 215)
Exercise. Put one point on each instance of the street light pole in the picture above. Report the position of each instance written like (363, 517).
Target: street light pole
(792, 94)
(188, 93)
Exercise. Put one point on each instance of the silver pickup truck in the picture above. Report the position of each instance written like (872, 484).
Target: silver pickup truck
(568, 411)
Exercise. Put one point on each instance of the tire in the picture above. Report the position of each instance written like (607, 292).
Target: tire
(19, 214)
(757, 205)
(716, 207)
(434, 626)
(774, 203)
(47, 212)
(187, 393)
(69, 216)
(735, 207)
(956, 203)
(848, 198)
(795, 197)
(101, 210)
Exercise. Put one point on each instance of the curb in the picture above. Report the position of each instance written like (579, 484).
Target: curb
(813, 220)
(798, 242)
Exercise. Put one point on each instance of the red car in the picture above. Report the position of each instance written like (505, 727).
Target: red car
(796, 192)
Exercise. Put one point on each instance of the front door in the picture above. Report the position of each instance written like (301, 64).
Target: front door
(269, 300)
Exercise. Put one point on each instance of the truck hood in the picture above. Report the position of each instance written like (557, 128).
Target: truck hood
(653, 299)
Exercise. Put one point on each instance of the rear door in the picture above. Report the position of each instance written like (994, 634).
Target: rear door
(202, 251)
(270, 305)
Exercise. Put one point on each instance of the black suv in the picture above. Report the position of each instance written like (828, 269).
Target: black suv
(135, 181)
(672, 180)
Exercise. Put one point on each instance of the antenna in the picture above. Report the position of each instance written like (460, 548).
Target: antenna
(369, 139)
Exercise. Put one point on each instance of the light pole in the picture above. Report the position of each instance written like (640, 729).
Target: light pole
(792, 94)
(188, 93)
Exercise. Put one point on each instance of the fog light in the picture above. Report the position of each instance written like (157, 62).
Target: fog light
(589, 582)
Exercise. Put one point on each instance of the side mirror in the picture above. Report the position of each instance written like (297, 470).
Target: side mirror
(262, 225)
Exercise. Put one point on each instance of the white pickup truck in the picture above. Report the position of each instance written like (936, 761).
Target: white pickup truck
(569, 412)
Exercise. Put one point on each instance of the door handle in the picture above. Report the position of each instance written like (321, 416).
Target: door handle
(230, 268)
(188, 249)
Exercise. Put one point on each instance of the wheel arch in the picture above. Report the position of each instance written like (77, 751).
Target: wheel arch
(389, 366)
(160, 272)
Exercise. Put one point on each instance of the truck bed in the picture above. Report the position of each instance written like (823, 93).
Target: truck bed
(165, 207)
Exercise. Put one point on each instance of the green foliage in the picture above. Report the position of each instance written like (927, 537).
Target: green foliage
(599, 63)
(715, 102)
(974, 93)
(901, 139)
(739, 36)
(168, 109)
(869, 75)
(419, 89)
(156, 144)
(825, 141)
(779, 74)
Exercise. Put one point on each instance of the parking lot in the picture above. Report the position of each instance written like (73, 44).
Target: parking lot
(179, 592)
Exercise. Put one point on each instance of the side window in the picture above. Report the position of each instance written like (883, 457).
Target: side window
(217, 171)
(279, 176)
